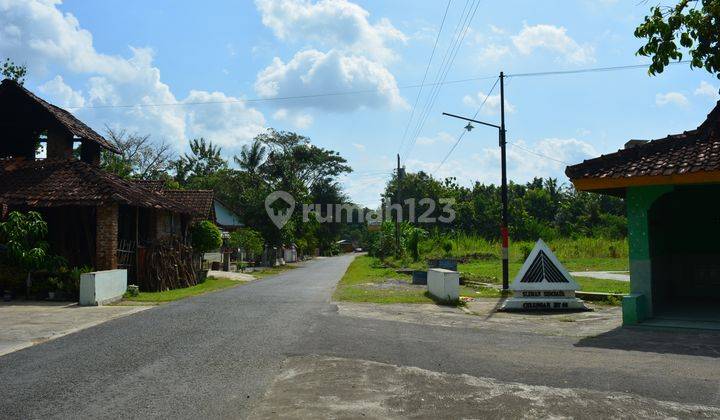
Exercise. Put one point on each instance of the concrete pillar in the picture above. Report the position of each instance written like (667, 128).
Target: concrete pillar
(106, 237)
(638, 305)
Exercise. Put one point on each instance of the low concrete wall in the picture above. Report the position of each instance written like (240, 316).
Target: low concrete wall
(443, 284)
(102, 287)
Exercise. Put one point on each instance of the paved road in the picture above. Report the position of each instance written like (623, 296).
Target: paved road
(604, 275)
(216, 355)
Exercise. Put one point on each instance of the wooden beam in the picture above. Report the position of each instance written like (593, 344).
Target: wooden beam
(701, 177)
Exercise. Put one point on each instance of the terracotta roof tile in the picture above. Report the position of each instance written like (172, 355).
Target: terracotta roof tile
(201, 201)
(51, 183)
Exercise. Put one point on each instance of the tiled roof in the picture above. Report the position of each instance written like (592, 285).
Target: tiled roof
(52, 183)
(150, 184)
(64, 118)
(690, 152)
(201, 201)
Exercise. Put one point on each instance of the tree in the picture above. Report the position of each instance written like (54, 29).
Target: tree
(250, 240)
(669, 30)
(205, 237)
(251, 157)
(13, 71)
(204, 159)
(140, 156)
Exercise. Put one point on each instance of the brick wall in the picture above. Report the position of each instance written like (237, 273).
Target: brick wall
(106, 238)
(59, 144)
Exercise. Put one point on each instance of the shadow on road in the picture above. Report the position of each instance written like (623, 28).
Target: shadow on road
(690, 343)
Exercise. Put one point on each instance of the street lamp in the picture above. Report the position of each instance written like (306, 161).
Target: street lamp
(503, 188)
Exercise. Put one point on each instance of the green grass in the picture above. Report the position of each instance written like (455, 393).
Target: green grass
(366, 269)
(211, 284)
(605, 286)
(490, 271)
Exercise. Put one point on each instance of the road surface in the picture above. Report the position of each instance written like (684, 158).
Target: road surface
(235, 353)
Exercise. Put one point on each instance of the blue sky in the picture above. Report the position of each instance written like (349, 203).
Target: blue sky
(89, 54)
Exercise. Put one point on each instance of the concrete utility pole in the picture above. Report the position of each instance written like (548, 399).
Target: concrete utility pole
(397, 215)
(503, 176)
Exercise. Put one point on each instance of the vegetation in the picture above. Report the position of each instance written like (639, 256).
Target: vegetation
(205, 236)
(250, 240)
(668, 31)
(13, 71)
(210, 285)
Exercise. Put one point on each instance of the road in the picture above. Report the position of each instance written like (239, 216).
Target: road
(217, 355)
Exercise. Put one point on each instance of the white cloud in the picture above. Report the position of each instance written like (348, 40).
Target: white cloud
(358, 146)
(310, 72)
(332, 24)
(440, 137)
(297, 119)
(227, 122)
(492, 105)
(553, 39)
(492, 53)
(37, 33)
(62, 94)
(674, 98)
(706, 89)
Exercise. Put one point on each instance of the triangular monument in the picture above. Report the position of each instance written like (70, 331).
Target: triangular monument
(543, 284)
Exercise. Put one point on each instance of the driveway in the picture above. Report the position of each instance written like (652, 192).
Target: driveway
(23, 324)
(280, 347)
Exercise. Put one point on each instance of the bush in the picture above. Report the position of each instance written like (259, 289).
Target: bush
(251, 241)
(205, 237)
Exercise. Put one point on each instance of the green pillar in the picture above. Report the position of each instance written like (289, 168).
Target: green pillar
(638, 305)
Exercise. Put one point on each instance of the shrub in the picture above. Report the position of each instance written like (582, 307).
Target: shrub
(205, 237)
(249, 240)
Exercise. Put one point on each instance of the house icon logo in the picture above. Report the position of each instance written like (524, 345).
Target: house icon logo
(279, 217)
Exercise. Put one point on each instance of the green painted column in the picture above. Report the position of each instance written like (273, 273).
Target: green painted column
(638, 305)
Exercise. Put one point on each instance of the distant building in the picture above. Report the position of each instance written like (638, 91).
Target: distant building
(672, 190)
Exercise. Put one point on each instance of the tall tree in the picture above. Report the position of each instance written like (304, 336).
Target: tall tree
(141, 157)
(203, 160)
(251, 157)
(693, 25)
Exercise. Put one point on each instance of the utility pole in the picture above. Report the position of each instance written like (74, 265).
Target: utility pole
(502, 134)
(399, 211)
(504, 188)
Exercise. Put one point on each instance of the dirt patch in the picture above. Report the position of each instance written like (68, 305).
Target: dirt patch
(325, 387)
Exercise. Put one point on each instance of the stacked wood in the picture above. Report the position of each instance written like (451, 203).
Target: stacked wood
(166, 264)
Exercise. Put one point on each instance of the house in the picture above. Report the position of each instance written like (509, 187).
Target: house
(671, 188)
(94, 217)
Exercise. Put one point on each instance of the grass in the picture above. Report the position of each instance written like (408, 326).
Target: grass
(490, 271)
(605, 286)
(271, 271)
(366, 269)
(211, 284)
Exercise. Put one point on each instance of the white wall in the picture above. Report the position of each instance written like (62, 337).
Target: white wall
(101, 287)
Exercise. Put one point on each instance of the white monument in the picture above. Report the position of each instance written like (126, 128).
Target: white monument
(543, 284)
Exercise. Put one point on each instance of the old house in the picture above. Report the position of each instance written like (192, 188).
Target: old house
(671, 188)
(94, 217)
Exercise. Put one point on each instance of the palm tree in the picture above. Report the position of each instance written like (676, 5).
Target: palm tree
(251, 157)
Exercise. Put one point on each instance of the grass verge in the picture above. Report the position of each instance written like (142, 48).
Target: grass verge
(366, 270)
(211, 284)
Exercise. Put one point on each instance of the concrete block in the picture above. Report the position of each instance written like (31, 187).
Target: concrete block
(444, 284)
(634, 308)
(102, 287)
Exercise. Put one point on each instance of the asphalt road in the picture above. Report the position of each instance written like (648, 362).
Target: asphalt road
(215, 355)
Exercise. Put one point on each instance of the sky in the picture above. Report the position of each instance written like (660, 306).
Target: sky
(353, 70)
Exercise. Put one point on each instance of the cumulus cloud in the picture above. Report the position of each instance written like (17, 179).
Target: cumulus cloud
(50, 42)
(554, 39)
(64, 95)
(671, 98)
(492, 53)
(492, 105)
(311, 71)
(331, 24)
(706, 89)
(297, 119)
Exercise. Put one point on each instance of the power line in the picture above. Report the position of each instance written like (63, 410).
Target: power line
(368, 91)
(465, 131)
(427, 68)
(537, 153)
(468, 21)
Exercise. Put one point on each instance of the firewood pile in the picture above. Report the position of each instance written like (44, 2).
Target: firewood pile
(167, 264)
